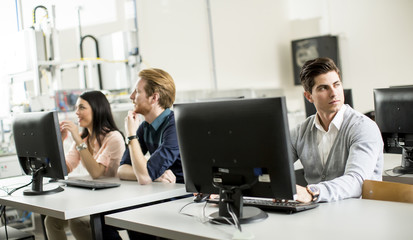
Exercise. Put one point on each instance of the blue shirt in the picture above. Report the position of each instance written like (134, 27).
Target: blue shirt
(159, 138)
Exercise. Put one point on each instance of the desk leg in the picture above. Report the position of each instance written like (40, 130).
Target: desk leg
(43, 227)
(96, 226)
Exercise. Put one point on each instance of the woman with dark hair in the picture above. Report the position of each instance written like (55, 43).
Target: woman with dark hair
(99, 148)
(100, 145)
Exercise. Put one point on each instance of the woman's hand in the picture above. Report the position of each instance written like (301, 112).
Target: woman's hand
(69, 126)
(131, 123)
(63, 131)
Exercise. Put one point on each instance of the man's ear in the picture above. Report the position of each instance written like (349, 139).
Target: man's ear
(155, 97)
(308, 96)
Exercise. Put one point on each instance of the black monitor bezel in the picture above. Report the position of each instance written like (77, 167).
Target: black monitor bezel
(197, 122)
(39, 147)
(393, 114)
(311, 110)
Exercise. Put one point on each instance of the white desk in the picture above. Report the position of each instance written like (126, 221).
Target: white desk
(77, 202)
(347, 219)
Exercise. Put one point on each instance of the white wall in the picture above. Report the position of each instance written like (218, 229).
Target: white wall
(252, 40)
(375, 41)
(376, 45)
(174, 36)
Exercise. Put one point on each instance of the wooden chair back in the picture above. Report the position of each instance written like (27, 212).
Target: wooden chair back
(387, 191)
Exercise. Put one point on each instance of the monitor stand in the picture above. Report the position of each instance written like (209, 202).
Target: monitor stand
(37, 185)
(407, 162)
(233, 200)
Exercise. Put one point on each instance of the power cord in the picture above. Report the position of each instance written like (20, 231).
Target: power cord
(34, 173)
(232, 189)
(25, 185)
(3, 213)
(238, 234)
(3, 207)
(234, 217)
(203, 220)
(386, 172)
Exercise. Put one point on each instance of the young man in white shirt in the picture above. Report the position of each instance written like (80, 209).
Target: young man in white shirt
(338, 147)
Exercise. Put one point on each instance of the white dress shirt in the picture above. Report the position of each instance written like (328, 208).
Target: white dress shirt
(325, 139)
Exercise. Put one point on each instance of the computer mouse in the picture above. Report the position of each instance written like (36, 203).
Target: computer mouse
(201, 197)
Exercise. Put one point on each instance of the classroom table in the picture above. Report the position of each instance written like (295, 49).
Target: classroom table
(346, 219)
(76, 202)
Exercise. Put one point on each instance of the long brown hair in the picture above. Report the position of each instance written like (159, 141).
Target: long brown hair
(103, 122)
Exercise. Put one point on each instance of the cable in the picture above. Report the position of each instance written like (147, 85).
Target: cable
(213, 220)
(3, 212)
(35, 171)
(12, 191)
(231, 190)
(386, 172)
(34, 13)
(407, 150)
(2, 207)
(202, 220)
(4, 189)
(182, 208)
(234, 217)
(205, 219)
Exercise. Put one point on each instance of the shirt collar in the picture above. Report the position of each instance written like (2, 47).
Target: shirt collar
(160, 119)
(338, 119)
(336, 122)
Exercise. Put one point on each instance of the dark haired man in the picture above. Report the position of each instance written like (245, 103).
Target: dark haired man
(338, 147)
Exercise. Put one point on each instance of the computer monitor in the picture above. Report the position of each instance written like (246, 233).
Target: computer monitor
(218, 99)
(311, 110)
(236, 148)
(39, 148)
(394, 115)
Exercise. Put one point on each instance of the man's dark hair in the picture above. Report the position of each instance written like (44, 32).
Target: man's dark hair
(313, 68)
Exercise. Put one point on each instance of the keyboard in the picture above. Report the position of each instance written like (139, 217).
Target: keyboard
(90, 184)
(271, 206)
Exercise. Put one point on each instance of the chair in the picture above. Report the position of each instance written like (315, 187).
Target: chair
(387, 191)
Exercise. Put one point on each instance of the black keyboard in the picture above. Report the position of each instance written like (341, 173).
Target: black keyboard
(269, 205)
(90, 184)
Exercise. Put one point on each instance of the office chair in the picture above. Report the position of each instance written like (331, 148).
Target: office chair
(387, 191)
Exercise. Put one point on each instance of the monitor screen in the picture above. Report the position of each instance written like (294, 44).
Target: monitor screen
(311, 110)
(242, 145)
(39, 148)
(394, 114)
